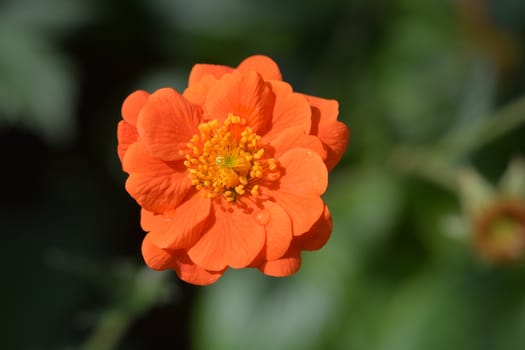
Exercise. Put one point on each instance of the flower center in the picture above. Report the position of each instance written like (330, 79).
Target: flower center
(500, 231)
(229, 160)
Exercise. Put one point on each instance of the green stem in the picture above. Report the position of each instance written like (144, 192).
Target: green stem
(440, 163)
(466, 140)
(109, 331)
(139, 290)
(426, 165)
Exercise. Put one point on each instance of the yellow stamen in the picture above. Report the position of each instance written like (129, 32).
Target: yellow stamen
(228, 161)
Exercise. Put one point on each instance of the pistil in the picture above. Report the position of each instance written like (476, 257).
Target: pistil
(227, 161)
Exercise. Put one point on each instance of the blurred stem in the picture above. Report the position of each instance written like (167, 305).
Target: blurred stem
(425, 164)
(466, 140)
(110, 329)
(136, 290)
(440, 164)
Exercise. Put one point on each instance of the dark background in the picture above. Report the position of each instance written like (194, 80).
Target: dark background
(407, 74)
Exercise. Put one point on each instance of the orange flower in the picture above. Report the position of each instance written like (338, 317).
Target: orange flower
(231, 172)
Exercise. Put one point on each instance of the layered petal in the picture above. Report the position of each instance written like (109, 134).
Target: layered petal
(323, 110)
(318, 235)
(192, 273)
(200, 71)
(126, 129)
(232, 239)
(299, 189)
(162, 259)
(179, 228)
(295, 137)
(285, 266)
(156, 185)
(243, 94)
(333, 134)
(278, 228)
(126, 135)
(290, 109)
(155, 257)
(263, 65)
(132, 105)
(166, 124)
(204, 76)
(198, 92)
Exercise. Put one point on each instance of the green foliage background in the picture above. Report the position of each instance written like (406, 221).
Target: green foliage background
(418, 82)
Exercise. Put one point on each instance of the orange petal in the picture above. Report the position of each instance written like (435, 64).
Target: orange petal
(156, 185)
(323, 110)
(132, 106)
(199, 71)
(126, 135)
(167, 123)
(160, 259)
(278, 227)
(194, 274)
(304, 211)
(233, 239)
(285, 266)
(263, 65)
(290, 109)
(243, 94)
(156, 258)
(154, 221)
(294, 137)
(318, 235)
(198, 92)
(179, 228)
(299, 189)
(334, 134)
(305, 173)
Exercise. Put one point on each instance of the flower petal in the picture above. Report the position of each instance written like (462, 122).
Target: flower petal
(285, 266)
(232, 240)
(318, 235)
(199, 71)
(156, 185)
(126, 135)
(154, 257)
(179, 228)
(304, 211)
(278, 227)
(263, 65)
(295, 137)
(290, 109)
(325, 110)
(243, 94)
(194, 274)
(132, 105)
(305, 175)
(166, 124)
(198, 92)
(334, 134)
(299, 189)
(161, 259)
(154, 221)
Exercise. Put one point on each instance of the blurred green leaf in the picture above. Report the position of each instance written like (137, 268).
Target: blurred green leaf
(365, 202)
(248, 310)
(427, 80)
(37, 88)
(47, 15)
